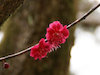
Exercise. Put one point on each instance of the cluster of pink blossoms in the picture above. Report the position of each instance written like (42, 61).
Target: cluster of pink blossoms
(56, 35)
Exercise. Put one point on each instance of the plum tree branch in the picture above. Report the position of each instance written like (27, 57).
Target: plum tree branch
(84, 16)
(70, 25)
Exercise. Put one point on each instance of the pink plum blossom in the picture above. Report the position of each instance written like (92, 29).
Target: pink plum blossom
(40, 50)
(57, 34)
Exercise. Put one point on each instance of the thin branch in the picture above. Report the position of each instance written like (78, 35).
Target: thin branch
(70, 25)
(16, 54)
(84, 16)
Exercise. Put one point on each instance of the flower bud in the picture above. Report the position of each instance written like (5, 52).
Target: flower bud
(5, 65)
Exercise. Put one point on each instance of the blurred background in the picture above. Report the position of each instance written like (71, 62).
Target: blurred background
(85, 54)
(78, 56)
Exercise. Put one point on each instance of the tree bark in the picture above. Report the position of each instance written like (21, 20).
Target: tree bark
(7, 7)
(27, 27)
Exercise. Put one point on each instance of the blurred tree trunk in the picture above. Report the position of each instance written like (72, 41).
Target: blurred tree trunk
(27, 27)
(7, 7)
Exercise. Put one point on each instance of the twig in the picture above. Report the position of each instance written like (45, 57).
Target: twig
(16, 54)
(84, 16)
(70, 25)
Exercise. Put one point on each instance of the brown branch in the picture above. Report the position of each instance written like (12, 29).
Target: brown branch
(84, 16)
(70, 25)
(7, 7)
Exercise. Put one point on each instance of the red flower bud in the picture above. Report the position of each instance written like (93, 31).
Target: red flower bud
(5, 65)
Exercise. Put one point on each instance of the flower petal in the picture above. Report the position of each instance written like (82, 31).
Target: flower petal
(56, 25)
(65, 31)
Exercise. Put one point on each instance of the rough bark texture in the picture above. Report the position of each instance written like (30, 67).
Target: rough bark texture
(26, 28)
(7, 7)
